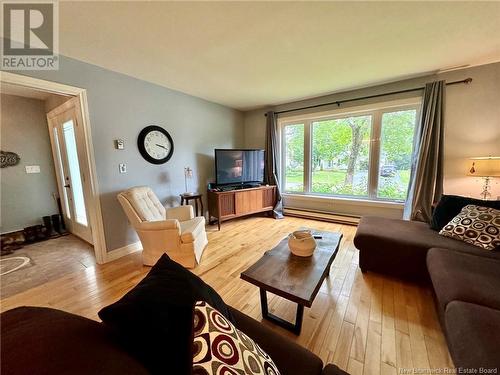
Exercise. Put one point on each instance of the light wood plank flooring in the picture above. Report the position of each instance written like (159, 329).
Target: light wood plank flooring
(49, 260)
(366, 324)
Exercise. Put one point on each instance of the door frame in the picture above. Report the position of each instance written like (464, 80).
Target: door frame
(59, 153)
(89, 167)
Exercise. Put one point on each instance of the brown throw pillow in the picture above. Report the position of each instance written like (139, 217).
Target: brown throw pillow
(154, 320)
(220, 348)
(479, 226)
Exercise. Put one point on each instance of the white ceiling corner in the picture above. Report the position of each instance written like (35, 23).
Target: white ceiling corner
(250, 54)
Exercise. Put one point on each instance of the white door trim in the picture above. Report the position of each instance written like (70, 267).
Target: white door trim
(70, 110)
(95, 213)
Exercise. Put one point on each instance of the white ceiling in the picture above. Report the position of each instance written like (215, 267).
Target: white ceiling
(250, 54)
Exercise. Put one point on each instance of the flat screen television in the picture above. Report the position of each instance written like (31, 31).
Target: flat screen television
(239, 166)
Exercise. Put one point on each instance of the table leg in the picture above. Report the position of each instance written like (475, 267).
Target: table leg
(201, 204)
(196, 207)
(295, 328)
(263, 303)
(182, 201)
(298, 319)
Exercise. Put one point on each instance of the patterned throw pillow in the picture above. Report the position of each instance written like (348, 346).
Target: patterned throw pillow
(219, 348)
(476, 225)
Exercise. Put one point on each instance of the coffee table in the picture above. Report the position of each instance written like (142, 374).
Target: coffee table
(294, 278)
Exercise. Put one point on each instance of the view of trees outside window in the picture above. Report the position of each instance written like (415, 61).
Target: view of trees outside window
(396, 146)
(294, 158)
(340, 155)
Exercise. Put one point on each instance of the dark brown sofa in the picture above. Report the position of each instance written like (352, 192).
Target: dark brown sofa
(473, 335)
(38, 340)
(467, 293)
(465, 279)
(399, 247)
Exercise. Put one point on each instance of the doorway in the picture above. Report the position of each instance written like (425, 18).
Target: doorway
(74, 164)
(39, 244)
(63, 130)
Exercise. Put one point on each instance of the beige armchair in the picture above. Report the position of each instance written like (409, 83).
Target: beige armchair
(174, 231)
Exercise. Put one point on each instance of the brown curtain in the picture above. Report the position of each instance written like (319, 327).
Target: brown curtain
(426, 180)
(272, 157)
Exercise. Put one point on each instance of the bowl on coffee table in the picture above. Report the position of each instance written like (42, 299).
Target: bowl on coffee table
(302, 243)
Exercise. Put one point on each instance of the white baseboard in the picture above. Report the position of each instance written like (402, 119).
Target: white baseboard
(122, 251)
(322, 215)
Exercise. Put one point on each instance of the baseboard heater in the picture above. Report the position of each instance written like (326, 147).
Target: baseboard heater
(321, 215)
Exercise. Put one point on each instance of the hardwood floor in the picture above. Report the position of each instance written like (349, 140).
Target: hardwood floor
(48, 260)
(365, 323)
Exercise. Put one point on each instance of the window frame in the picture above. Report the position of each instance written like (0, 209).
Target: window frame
(377, 111)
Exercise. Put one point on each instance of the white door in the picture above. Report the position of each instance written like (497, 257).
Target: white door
(66, 141)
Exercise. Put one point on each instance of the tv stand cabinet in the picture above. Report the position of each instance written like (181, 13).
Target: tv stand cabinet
(227, 205)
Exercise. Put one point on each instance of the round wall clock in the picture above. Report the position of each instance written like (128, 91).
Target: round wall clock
(155, 144)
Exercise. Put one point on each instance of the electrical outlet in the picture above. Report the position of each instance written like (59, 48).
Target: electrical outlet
(32, 168)
(122, 168)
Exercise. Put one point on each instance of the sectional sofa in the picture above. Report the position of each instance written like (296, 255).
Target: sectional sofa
(465, 280)
(39, 340)
(148, 330)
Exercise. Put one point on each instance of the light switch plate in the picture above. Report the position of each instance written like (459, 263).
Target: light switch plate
(122, 168)
(119, 144)
(32, 168)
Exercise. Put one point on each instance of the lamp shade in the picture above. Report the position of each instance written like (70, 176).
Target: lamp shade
(484, 167)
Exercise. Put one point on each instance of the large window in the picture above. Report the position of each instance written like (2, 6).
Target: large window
(396, 146)
(358, 154)
(294, 157)
(340, 156)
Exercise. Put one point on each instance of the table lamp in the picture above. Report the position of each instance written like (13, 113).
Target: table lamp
(487, 168)
(188, 174)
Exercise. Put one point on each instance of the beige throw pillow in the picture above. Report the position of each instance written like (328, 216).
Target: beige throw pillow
(479, 226)
(220, 348)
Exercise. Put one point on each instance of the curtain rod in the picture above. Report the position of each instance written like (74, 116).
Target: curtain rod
(339, 102)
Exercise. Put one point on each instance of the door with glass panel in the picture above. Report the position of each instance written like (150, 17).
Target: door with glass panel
(64, 136)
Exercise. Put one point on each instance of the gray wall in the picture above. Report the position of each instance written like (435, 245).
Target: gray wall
(120, 106)
(472, 128)
(25, 198)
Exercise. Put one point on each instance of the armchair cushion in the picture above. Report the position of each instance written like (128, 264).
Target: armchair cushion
(181, 213)
(159, 225)
(160, 229)
(145, 203)
(191, 229)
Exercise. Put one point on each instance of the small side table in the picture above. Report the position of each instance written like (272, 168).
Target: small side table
(197, 197)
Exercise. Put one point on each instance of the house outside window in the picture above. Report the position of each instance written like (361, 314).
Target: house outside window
(358, 153)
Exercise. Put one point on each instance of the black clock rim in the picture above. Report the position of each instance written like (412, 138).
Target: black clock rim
(142, 149)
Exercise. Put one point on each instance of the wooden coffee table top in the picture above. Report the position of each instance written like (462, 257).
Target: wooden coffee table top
(295, 278)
